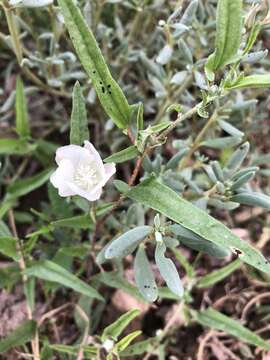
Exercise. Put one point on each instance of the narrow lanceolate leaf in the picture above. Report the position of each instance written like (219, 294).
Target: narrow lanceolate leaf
(19, 336)
(25, 186)
(198, 243)
(168, 270)
(124, 155)
(219, 321)
(116, 328)
(144, 276)
(123, 343)
(110, 94)
(253, 199)
(15, 146)
(219, 275)
(22, 122)
(127, 242)
(50, 271)
(252, 81)
(228, 33)
(238, 157)
(78, 123)
(8, 247)
(161, 198)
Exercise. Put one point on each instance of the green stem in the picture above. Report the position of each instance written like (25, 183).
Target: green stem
(13, 30)
(198, 139)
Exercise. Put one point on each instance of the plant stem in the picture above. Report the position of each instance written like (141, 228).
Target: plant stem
(18, 50)
(198, 139)
(22, 266)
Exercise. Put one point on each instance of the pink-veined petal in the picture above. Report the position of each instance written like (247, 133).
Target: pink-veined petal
(62, 176)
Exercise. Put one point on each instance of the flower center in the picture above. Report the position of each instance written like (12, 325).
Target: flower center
(86, 176)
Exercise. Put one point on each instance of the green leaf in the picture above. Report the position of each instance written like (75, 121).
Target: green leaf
(168, 270)
(15, 146)
(237, 158)
(110, 94)
(115, 281)
(4, 230)
(8, 246)
(73, 350)
(144, 277)
(19, 336)
(48, 270)
(228, 33)
(78, 122)
(196, 242)
(124, 155)
(75, 222)
(161, 198)
(252, 81)
(222, 142)
(25, 186)
(124, 343)
(22, 121)
(219, 321)
(116, 328)
(140, 347)
(126, 243)
(219, 275)
(252, 199)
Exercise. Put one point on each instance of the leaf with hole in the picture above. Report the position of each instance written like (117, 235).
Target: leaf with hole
(110, 94)
(144, 276)
(164, 200)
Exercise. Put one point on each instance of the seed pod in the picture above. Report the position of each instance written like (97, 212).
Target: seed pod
(238, 157)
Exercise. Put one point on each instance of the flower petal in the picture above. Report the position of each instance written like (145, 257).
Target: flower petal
(71, 152)
(90, 147)
(110, 169)
(62, 176)
(91, 196)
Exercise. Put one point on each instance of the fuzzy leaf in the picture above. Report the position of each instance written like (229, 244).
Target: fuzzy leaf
(228, 33)
(124, 155)
(8, 247)
(127, 243)
(50, 271)
(161, 198)
(115, 329)
(218, 275)
(22, 121)
(19, 336)
(219, 321)
(144, 276)
(78, 123)
(252, 81)
(110, 94)
(168, 270)
(196, 242)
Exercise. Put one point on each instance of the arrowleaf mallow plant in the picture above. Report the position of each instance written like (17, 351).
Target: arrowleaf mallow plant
(174, 95)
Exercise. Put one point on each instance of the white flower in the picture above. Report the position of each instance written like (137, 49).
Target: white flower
(80, 171)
